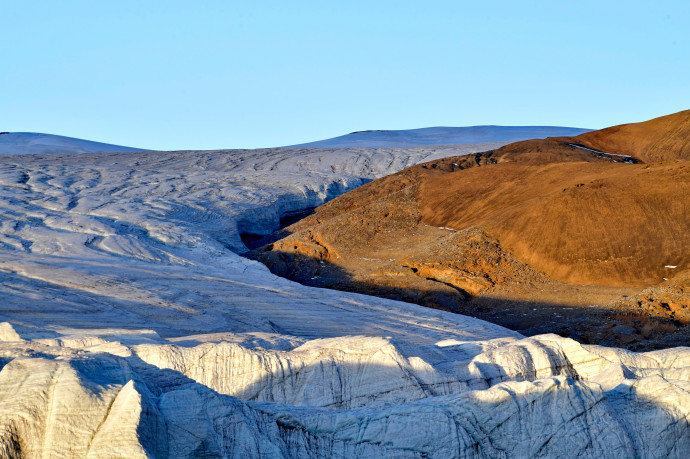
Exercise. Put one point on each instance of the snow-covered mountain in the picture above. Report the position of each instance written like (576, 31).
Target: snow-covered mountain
(131, 327)
(441, 136)
(19, 143)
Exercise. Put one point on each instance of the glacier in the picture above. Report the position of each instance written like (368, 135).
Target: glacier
(131, 326)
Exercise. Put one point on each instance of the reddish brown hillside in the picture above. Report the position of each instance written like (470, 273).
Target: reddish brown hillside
(660, 139)
(583, 223)
(555, 223)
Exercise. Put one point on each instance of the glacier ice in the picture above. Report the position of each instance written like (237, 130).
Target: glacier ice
(131, 327)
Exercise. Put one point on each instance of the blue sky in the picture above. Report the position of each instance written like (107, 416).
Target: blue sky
(247, 74)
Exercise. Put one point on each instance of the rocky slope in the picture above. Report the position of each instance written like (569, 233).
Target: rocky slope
(551, 228)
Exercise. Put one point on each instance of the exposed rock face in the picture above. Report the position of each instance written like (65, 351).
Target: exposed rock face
(130, 328)
(536, 228)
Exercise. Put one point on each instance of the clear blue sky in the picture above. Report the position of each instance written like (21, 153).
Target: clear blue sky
(246, 74)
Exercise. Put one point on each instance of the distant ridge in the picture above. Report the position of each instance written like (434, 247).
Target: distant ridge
(20, 143)
(441, 136)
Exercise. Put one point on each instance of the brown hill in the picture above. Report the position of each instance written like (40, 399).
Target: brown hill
(583, 223)
(660, 139)
(562, 222)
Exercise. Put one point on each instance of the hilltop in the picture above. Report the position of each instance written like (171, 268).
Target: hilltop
(564, 222)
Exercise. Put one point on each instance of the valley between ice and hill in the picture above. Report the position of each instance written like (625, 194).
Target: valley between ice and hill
(131, 327)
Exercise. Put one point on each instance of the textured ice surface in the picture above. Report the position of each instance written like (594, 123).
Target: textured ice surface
(129, 327)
